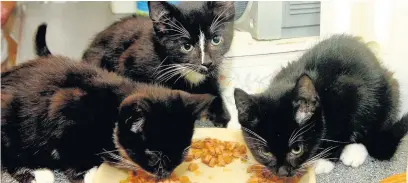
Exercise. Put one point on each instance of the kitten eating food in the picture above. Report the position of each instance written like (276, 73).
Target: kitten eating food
(65, 115)
(180, 46)
(334, 102)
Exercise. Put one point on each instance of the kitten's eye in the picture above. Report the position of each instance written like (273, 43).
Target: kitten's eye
(216, 40)
(297, 150)
(187, 47)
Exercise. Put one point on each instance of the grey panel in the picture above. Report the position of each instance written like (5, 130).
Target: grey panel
(301, 13)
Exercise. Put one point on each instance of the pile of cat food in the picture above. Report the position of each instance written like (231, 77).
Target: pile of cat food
(141, 176)
(262, 175)
(212, 152)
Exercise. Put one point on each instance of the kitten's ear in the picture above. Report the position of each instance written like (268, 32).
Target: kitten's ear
(197, 102)
(131, 112)
(224, 9)
(246, 107)
(159, 9)
(305, 100)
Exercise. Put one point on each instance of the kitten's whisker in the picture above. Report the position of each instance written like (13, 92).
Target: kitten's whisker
(170, 76)
(121, 159)
(299, 131)
(328, 140)
(183, 28)
(118, 164)
(182, 75)
(157, 68)
(167, 68)
(254, 134)
(323, 154)
(106, 152)
(179, 27)
(256, 145)
(256, 139)
(181, 34)
(169, 73)
(219, 25)
(180, 72)
(302, 131)
(216, 20)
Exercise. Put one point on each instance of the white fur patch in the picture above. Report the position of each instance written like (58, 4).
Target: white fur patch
(323, 166)
(302, 116)
(43, 176)
(193, 77)
(354, 155)
(90, 174)
(202, 44)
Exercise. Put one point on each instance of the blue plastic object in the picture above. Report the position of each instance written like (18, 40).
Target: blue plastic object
(143, 8)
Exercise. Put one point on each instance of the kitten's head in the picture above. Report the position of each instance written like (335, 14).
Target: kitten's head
(283, 126)
(194, 35)
(155, 128)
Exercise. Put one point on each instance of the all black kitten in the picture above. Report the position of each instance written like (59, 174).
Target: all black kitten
(179, 46)
(336, 101)
(71, 116)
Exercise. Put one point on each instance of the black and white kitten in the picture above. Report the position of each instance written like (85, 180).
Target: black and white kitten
(335, 102)
(64, 115)
(180, 46)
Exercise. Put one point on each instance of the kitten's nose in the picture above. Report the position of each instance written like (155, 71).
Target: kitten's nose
(283, 171)
(207, 64)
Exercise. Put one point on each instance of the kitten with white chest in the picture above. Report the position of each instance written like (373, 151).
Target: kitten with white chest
(335, 102)
(180, 46)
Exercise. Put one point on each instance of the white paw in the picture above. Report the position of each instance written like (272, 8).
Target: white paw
(43, 176)
(323, 166)
(354, 155)
(90, 174)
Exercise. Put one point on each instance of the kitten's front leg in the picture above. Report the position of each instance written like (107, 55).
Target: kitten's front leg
(323, 166)
(78, 176)
(354, 155)
(43, 176)
(26, 175)
(218, 113)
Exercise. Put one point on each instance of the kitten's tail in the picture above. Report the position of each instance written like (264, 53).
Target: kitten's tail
(41, 47)
(383, 144)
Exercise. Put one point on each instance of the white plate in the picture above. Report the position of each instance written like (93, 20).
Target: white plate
(235, 172)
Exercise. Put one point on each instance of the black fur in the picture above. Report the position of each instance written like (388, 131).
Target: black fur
(41, 47)
(65, 115)
(145, 49)
(336, 94)
(149, 49)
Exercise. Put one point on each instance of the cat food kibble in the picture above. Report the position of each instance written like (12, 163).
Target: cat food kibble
(192, 167)
(262, 175)
(214, 152)
(184, 179)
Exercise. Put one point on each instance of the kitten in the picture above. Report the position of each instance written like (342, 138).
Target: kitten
(336, 101)
(180, 46)
(65, 115)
